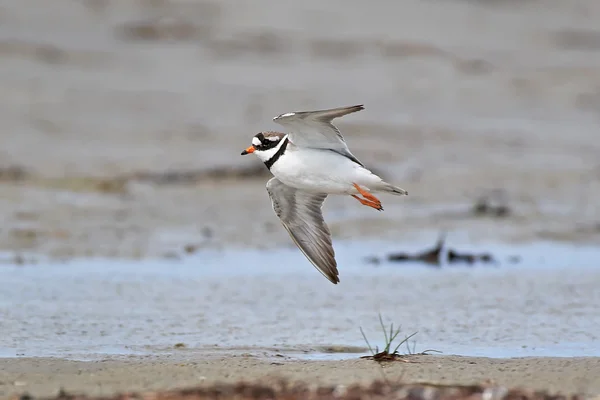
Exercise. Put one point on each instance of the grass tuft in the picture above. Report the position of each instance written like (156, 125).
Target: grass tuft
(386, 354)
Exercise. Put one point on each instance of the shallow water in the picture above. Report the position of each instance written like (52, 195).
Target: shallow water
(275, 302)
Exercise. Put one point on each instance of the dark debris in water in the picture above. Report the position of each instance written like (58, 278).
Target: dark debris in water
(431, 256)
(436, 256)
(305, 391)
(469, 258)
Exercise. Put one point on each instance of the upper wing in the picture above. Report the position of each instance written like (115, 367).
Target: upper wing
(314, 129)
(300, 214)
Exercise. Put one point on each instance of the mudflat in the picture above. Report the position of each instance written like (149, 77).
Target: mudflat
(127, 142)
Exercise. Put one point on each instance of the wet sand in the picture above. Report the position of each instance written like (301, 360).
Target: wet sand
(461, 97)
(45, 377)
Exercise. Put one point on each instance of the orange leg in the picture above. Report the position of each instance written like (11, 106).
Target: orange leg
(369, 203)
(366, 194)
(369, 199)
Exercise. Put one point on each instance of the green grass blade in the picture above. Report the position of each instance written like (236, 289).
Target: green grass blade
(409, 352)
(367, 341)
(387, 342)
(392, 338)
(403, 341)
(426, 352)
(388, 345)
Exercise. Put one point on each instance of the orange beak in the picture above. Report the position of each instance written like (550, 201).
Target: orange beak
(248, 150)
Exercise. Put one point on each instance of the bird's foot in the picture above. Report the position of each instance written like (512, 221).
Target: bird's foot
(369, 199)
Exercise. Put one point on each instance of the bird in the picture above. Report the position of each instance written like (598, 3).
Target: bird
(308, 163)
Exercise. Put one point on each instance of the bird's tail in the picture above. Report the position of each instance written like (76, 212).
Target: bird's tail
(389, 188)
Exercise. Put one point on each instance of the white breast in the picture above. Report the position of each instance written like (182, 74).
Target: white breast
(321, 171)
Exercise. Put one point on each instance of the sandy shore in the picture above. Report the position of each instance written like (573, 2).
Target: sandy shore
(45, 377)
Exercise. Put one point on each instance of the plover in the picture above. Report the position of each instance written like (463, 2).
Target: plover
(309, 163)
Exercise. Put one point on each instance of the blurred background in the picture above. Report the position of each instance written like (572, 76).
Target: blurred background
(123, 121)
(122, 127)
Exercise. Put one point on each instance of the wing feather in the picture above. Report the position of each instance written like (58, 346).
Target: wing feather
(301, 215)
(315, 129)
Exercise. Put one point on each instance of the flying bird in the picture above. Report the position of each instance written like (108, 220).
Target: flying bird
(309, 163)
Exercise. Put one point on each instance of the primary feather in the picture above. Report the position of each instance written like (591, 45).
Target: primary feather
(300, 213)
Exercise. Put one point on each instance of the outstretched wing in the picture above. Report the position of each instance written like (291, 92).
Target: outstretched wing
(300, 213)
(314, 129)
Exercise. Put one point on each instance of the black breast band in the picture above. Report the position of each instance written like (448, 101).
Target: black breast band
(269, 163)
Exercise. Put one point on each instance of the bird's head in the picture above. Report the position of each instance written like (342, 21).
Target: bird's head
(265, 145)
